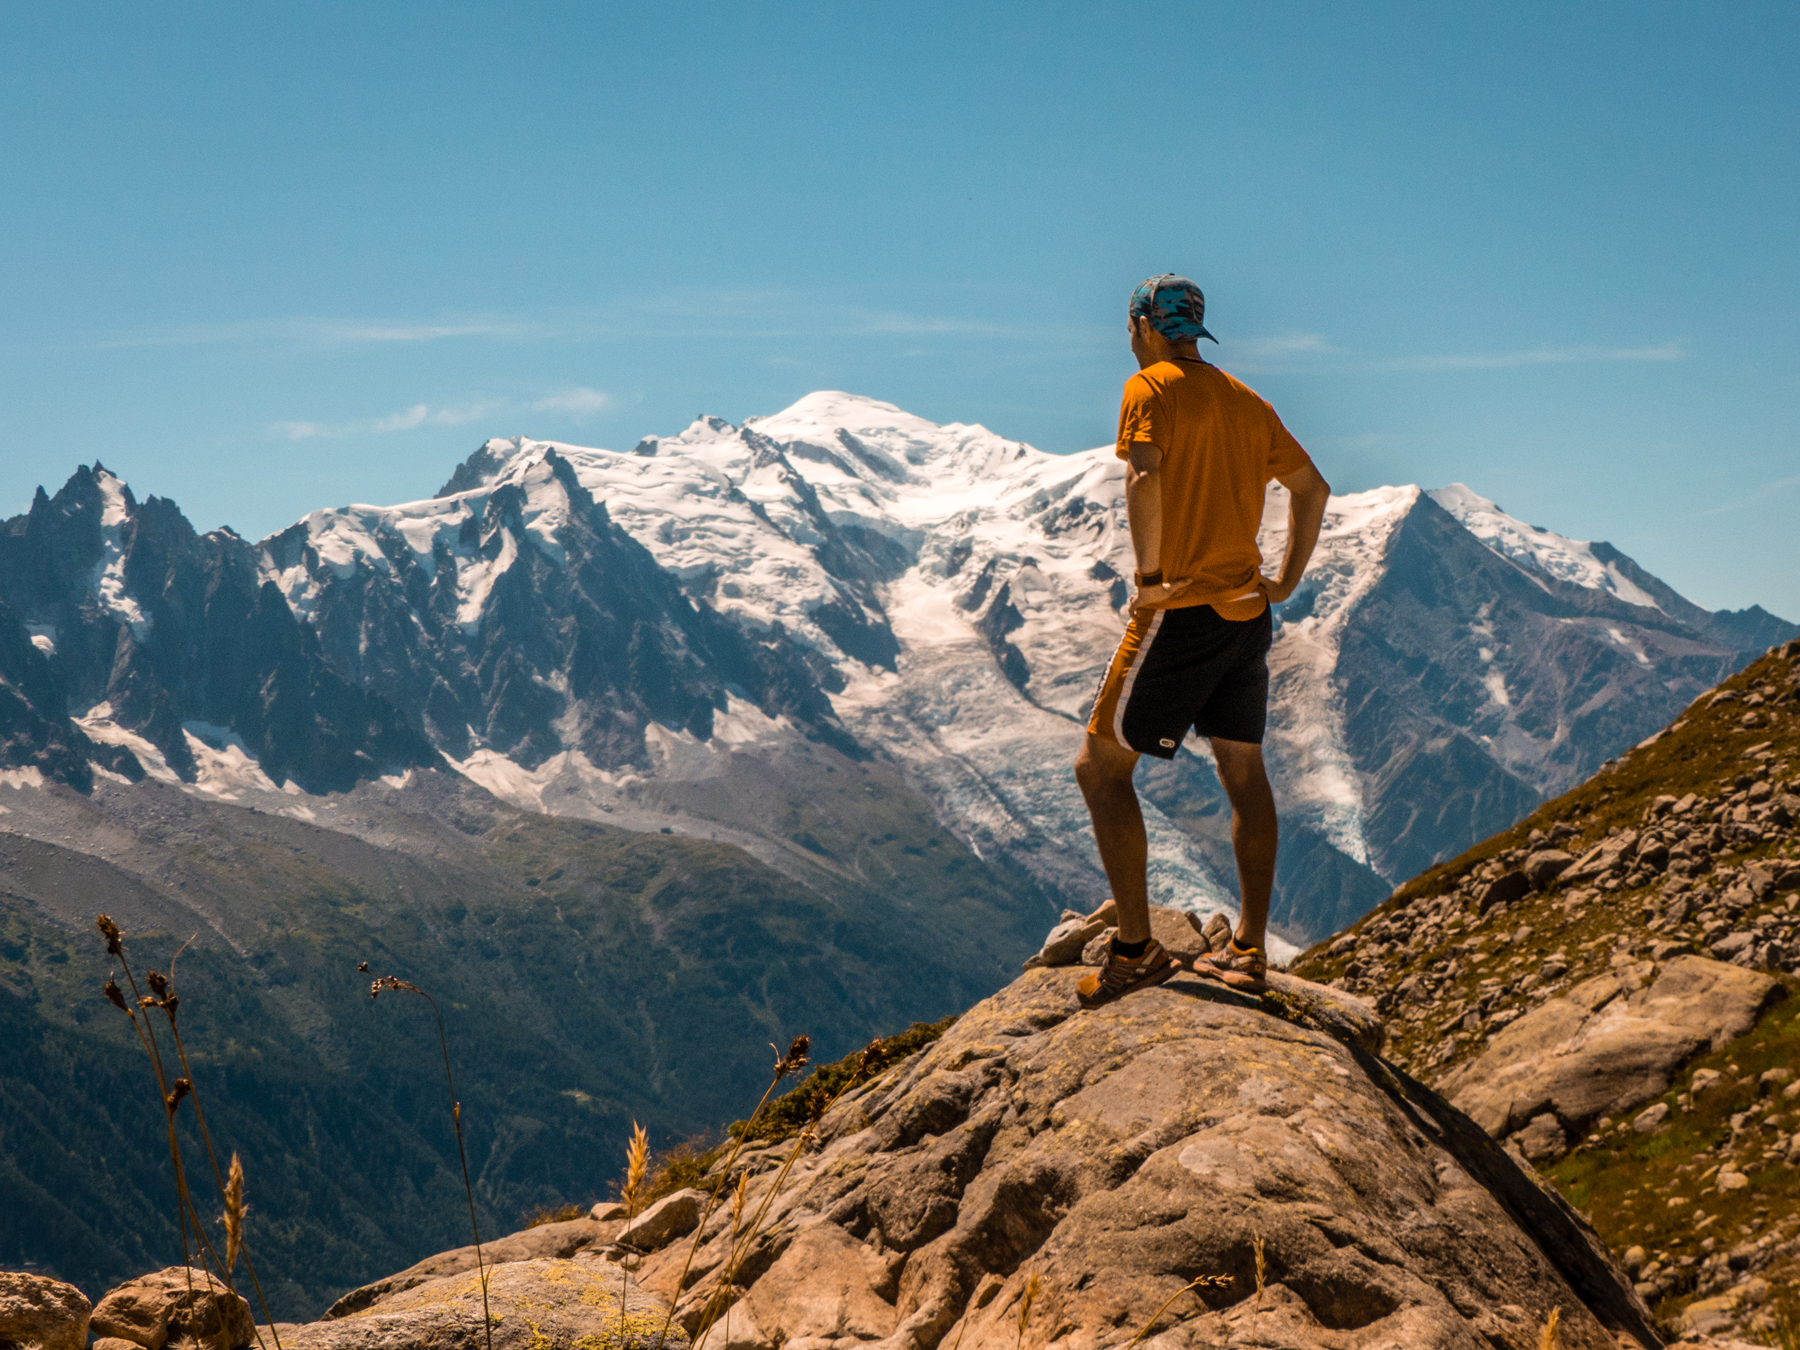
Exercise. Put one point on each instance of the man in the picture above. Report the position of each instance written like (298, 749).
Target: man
(1200, 450)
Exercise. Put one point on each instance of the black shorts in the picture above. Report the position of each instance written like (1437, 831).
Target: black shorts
(1182, 668)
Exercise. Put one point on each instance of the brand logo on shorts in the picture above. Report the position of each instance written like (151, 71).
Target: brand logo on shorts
(1167, 744)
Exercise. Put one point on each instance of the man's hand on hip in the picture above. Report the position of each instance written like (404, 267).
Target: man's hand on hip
(1146, 596)
(1273, 590)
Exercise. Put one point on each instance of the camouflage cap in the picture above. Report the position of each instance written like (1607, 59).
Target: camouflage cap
(1174, 306)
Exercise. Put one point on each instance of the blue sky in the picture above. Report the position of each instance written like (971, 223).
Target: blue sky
(262, 259)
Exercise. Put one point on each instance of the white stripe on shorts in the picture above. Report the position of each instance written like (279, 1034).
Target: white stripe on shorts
(1131, 678)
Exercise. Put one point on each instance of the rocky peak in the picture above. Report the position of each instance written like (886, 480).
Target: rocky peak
(1106, 1159)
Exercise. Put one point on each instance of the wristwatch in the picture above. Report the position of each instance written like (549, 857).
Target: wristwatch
(1149, 578)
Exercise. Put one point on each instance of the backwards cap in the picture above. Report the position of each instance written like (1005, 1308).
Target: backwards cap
(1174, 306)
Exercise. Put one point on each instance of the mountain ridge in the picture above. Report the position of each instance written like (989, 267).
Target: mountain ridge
(846, 573)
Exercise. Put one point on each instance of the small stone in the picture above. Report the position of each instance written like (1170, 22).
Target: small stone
(1650, 1117)
(1729, 1180)
(41, 1312)
(1542, 1140)
(1545, 866)
(1635, 1258)
(607, 1211)
(1506, 889)
(1774, 1078)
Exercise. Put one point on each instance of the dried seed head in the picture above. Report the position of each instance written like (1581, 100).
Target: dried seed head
(738, 1195)
(234, 1213)
(158, 982)
(363, 966)
(637, 1158)
(177, 1090)
(1032, 1287)
(115, 995)
(1551, 1339)
(115, 944)
(1261, 1269)
(795, 1059)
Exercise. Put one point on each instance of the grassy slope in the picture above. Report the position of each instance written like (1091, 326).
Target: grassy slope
(589, 977)
(1488, 969)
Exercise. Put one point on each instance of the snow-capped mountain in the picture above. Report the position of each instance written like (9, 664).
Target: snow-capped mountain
(695, 633)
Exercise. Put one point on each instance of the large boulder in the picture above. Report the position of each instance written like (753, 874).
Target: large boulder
(1611, 1043)
(1114, 1155)
(38, 1311)
(669, 1218)
(531, 1305)
(546, 1240)
(180, 1306)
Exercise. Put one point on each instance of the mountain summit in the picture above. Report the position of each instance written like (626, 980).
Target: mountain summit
(674, 635)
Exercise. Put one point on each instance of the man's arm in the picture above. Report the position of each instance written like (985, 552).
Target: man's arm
(1143, 515)
(1306, 512)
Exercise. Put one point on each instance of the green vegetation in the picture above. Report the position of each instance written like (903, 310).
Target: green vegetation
(1626, 1181)
(589, 976)
(789, 1114)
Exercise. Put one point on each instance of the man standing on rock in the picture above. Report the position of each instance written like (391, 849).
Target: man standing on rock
(1200, 450)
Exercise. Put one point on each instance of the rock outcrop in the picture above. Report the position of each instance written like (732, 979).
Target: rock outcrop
(178, 1307)
(531, 1305)
(1610, 1044)
(1111, 1157)
(40, 1312)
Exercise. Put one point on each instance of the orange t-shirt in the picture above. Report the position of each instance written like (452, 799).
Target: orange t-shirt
(1221, 445)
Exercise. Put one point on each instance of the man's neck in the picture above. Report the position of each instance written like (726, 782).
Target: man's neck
(1165, 350)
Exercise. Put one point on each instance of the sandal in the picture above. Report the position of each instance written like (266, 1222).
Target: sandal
(1239, 967)
(1122, 975)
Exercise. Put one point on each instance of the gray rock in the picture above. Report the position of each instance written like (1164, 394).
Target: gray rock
(1545, 865)
(1604, 857)
(1733, 945)
(1650, 1117)
(1120, 1151)
(38, 1311)
(1505, 889)
(1542, 1140)
(1178, 930)
(531, 1305)
(669, 1218)
(175, 1305)
(1609, 1044)
(1065, 942)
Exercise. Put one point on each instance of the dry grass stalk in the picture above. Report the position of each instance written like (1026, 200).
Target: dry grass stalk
(1033, 1286)
(1551, 1337)
(1261, 1271)
(394, 982)
(820, 1107)
(1198, 1282)
(234, 1212)
(637, 1161)
(798, 1052)
(173, 1092)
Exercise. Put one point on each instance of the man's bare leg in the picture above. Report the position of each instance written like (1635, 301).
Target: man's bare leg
(1255, 832)
(1103, 769)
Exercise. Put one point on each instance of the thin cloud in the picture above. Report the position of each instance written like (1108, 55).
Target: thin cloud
(324, 333)
(1541, 356)
(578, 403)
(1274, 348)
(1755, 498)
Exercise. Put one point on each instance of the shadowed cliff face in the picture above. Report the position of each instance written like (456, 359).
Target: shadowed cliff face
(165, 627)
